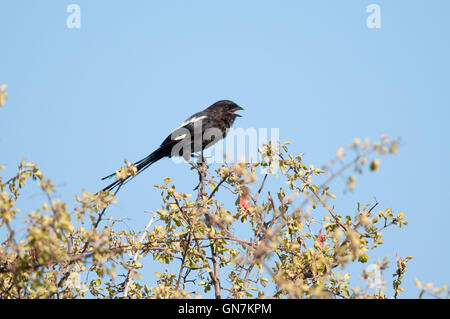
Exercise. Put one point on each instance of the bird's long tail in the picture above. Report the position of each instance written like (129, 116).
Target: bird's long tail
(140, 165)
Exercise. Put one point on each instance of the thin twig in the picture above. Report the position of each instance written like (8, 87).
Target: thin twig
(130, 271)
(255, 198)
(345, 167)
(104, 209)
(217, 187)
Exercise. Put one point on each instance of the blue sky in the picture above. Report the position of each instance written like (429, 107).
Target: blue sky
(83, 100)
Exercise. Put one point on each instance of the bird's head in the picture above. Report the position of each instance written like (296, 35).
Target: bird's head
(227, 108)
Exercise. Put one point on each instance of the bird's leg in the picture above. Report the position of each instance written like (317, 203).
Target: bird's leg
(197, 167)
(200, 157)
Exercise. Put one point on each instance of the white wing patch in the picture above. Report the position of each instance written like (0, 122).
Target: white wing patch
(189, 121)
(180, 137)
(193, 120)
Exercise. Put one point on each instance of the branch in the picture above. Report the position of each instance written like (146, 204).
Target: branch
(214, 274)
(130, 271)
(347, 166)
(186, 247)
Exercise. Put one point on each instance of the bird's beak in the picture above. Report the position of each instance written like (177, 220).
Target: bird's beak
(237, 108)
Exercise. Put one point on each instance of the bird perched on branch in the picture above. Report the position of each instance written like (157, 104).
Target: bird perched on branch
(198, 132)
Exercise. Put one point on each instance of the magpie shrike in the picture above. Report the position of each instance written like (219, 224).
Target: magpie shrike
(198, 132)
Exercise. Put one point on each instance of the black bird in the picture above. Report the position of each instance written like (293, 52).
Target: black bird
(197, 133)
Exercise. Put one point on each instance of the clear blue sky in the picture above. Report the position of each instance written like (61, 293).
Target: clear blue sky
(83, 100)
